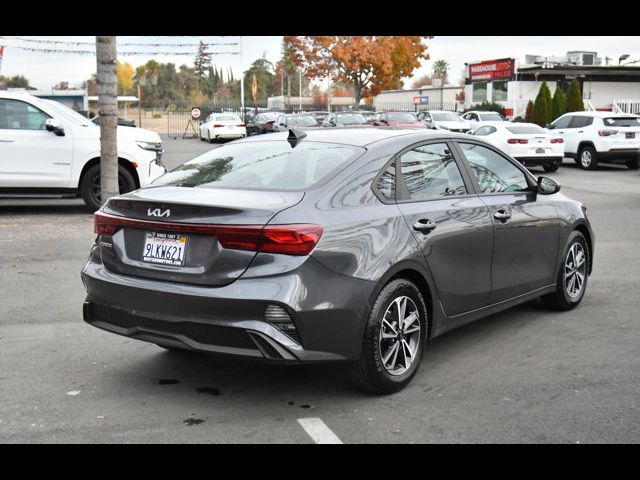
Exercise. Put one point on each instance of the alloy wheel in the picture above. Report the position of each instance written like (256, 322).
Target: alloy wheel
(575, 270)
(586, 158)
(399, 335)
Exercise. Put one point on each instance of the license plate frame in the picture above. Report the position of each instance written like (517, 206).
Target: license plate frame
(540, 151)
(630, 135)
(169, 249)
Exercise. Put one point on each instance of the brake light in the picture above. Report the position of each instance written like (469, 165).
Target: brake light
(241, 125)
(557, 140)
(517, 140)
(216, 125)
(296, 239)
(607, 133)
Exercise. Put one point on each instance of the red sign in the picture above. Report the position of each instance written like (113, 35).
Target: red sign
(195, 113)
(489, 70)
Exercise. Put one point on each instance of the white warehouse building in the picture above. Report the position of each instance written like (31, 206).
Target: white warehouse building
(604, 87)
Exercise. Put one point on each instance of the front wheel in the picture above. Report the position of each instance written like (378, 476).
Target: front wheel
(90, 186)
(633, 164)
(394, 339)
(573, 275)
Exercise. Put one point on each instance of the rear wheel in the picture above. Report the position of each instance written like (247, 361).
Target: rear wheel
(394, 339)
(553, 167)
(587, 158)
(573, 275)
(633, 164)
(90, 185)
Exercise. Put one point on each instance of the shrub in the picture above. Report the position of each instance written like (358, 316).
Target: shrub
(489, 107)
(157, 115)
(528, 116)
(542, 106)
(518, 119)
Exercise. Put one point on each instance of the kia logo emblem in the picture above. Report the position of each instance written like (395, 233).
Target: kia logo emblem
(156, 212)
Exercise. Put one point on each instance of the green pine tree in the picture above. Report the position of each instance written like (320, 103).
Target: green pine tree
(558, 104)
(542, 106)
(574, 98)
(202, 62)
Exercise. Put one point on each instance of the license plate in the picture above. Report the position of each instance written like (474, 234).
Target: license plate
(630, 135)
(164, 248)
(539, 150)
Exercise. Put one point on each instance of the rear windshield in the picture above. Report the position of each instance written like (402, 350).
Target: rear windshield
(402, 117)
(490, 117)
(226, 118)
(622, 122)
(351, 118)
(262, 165)
(302, 121)
(526, 129)
(445, 117)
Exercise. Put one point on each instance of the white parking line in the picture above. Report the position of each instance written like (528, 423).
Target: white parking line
(318, 431)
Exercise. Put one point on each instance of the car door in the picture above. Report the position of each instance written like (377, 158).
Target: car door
(562, 127)
(30, 155)
(526, 228)
(450, 224)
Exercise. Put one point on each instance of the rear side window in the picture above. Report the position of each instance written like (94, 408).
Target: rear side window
(262, 165)
(18, 115)
(580, 121)
(622, 121)
(430, 172)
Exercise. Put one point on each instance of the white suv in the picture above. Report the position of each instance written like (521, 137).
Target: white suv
(592, 137)
(49, 150)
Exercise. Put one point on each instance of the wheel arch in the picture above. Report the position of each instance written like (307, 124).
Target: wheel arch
(121, 161)
(586, 143)
(582, 228)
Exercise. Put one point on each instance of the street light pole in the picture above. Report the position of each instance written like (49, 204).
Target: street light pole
(300, 90)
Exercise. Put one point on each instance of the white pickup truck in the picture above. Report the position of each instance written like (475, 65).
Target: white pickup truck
(47, 150)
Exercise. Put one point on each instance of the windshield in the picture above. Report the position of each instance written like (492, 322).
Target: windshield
(445, 117)
(302, 121)
(68, 113)
(526, 129)
(406, 117)
(262, 165)
(225, 118)
(350, 118)
(622, 122)
(490, 117)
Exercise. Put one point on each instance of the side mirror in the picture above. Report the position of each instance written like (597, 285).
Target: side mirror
(549, 126)
(547, 186)
(53, 125)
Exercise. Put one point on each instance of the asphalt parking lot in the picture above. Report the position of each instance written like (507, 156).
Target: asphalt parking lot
(525, 375)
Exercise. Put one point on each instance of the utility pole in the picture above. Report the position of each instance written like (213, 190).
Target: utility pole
(241, 82)
(300, 91)
(108, 110)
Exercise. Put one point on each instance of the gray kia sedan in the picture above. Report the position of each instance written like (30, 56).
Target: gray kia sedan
(355, 245)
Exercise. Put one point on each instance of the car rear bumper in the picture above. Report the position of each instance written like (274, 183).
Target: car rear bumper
(231, 319)
(539, 160)
(619, 155)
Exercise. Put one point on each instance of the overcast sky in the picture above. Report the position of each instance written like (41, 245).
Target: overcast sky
(47, 69)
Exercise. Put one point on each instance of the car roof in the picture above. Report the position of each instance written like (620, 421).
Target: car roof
(481, 111)
(358, 136)
(600, 114)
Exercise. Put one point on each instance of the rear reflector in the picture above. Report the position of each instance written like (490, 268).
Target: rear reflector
(297, 239)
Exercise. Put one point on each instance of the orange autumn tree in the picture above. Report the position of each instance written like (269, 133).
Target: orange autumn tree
(369, 63)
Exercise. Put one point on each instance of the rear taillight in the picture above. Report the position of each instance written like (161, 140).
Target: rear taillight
(216, 125)
(241, 125)
(557, 140)
(517, 140)
(296, 239)
(607, 133)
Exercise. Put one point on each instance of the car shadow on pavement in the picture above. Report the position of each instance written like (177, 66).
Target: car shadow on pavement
(13, 207)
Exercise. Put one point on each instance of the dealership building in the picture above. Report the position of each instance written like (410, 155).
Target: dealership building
(604, 87)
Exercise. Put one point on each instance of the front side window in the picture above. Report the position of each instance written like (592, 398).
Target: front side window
(18, 115)
(484, 131)
(430, 172)
(262, 165)
(493, 172)
(499, 91)
(563, 122)
(479, 92)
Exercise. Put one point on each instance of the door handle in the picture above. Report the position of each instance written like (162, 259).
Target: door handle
(424, 225)
(502, 215)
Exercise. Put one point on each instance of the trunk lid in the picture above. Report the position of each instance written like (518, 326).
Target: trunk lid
(163, 232)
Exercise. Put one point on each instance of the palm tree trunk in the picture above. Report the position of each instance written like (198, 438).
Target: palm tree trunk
(108, 111)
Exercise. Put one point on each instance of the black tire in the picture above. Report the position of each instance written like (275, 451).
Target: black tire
(633, 164)
(368, 372)
(560, 299)
(588, 158)
(553, 167)
(209, 139)
(90, 185)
